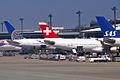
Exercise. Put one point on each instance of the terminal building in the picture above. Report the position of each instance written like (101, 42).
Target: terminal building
(63, 33)
(92, 31)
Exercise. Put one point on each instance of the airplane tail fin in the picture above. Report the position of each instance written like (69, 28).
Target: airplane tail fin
(107, 29)
(12, 32)
(47, 31)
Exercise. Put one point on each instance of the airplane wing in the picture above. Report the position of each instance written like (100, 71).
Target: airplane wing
(49, 42)
(107, 41)
(13, 43)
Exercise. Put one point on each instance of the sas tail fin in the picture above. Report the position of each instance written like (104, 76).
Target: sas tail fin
(12, 32)
(107, 29)
(47, 31)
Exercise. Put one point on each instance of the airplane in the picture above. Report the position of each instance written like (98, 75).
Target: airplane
(5, 46)
(51, 38)
(111, 36)
(19, 40)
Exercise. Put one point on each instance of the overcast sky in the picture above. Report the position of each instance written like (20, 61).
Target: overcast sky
(63, 11)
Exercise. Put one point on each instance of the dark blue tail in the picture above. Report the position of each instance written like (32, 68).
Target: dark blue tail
(107, 29)
(9, 27)
(12, 32)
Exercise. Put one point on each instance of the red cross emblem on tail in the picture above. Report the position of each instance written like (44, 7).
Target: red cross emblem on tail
(47, 31)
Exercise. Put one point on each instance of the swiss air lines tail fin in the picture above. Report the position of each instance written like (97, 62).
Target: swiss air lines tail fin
(12, 32)
(47, 31)
(107, 29)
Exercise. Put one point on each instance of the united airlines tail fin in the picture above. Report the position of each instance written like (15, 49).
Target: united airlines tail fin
(107, 29)
(12, 32)
(47, 31)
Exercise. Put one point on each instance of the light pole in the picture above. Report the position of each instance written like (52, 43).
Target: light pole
(50, 19)
(79, 17)
(79, 20)
(114, 10)
(1, 26)
(21, 20)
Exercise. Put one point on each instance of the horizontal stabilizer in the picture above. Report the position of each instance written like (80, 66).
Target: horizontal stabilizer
(13, 43)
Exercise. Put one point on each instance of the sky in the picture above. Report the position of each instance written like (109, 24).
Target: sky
(63, 11)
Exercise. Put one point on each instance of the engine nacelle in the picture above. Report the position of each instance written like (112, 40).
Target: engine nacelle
(98, 49)
(115, 49)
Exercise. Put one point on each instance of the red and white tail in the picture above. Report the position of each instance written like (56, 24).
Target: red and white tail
(47, 31)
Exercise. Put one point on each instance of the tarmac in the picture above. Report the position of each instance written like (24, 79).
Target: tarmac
(18, 68)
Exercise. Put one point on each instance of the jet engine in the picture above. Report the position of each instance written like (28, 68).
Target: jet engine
(115, 49)
(98, 49)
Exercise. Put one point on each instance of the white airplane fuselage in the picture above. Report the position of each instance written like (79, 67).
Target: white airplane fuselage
(30, 42)
(68, 44)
